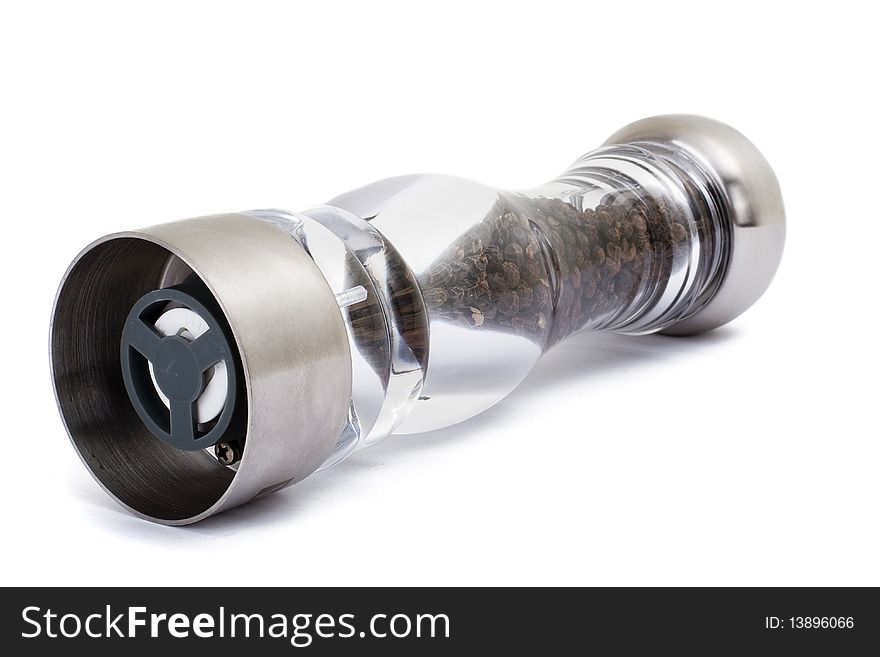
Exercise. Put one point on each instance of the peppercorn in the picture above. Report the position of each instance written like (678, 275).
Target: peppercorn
(543, 268)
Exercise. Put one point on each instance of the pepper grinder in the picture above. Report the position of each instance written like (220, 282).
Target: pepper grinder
(203, 363)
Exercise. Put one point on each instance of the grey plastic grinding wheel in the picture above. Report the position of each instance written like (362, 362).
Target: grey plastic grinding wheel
(180, 366)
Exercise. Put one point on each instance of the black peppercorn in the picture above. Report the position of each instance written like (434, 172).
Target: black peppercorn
(534, 259)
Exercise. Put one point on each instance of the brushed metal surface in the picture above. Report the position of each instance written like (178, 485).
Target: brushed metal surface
(290, 335)
(751, 199)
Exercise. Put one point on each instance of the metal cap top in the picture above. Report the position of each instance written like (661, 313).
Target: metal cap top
(751, 199)
(284, 325)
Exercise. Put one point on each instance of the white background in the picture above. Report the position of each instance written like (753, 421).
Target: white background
(747, 456)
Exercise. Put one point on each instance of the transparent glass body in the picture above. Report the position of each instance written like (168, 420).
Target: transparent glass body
(451, 290)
